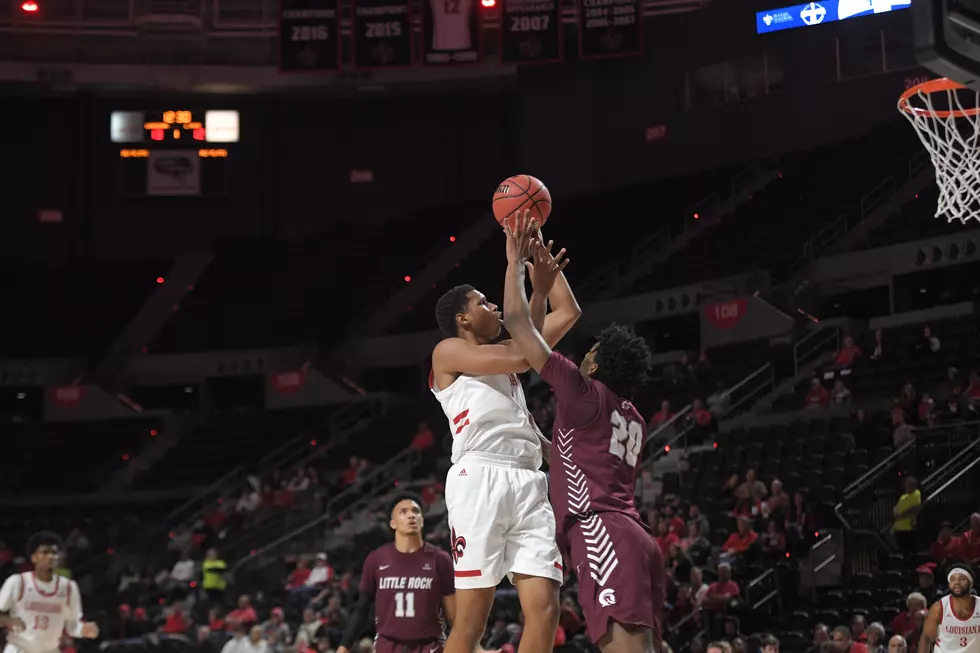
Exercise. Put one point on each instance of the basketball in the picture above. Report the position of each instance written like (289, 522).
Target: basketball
(520, 192)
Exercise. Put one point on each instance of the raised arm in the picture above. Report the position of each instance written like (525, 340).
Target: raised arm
(521, 243)
(550, 285)
(930, 629)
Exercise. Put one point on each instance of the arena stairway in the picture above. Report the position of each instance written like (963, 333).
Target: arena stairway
(942, 457)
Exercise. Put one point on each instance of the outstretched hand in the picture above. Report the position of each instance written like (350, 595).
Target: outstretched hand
(522, 239)
(546, 268)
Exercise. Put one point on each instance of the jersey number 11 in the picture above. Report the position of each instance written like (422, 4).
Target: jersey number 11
(405, 605)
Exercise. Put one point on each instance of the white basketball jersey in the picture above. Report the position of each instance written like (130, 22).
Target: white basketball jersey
(488, 414)
(956, 635)
(451, 25)
(45, 608)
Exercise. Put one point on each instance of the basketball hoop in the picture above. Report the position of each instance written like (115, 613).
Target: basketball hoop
(946, 117)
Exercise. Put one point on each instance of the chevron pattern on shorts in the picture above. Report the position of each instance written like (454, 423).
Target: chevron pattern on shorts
(599, 549)
(579, 502)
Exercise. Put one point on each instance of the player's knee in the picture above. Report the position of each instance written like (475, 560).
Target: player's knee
(539, 600)
(472, 610)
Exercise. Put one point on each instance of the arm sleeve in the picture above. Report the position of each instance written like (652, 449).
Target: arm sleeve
(577, 397)
(358, 619)
(9, 592)
(446, 574)
(73, 625)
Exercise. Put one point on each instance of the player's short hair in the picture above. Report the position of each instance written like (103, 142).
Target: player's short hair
(623, 359)
(43, 538)
(403, 496)
(453, 302)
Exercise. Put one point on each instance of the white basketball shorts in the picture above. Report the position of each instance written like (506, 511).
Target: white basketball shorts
(10, 648)
(501, 522)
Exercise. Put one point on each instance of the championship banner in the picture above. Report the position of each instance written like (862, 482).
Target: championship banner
(451, 32)
(610, 28)
(309, 36)
(381, 33)
(173, 173)
(531, 31)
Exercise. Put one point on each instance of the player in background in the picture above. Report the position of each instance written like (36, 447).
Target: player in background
(953, 622)
(410, 585)
(501, 522)
(596, 447)
(37, 607)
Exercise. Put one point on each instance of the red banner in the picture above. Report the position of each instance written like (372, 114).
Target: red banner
(289, 382)
(727, 314)
(68, 395)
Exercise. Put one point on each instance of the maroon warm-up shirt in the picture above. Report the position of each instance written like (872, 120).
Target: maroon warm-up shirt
(596, 446)
(408, 589)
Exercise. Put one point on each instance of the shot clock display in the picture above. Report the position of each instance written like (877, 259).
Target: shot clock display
(174, 152)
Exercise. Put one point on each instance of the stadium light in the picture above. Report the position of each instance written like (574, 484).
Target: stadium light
(29, 7)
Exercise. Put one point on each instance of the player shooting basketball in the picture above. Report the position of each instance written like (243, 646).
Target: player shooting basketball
(501, 522)
(598, 438)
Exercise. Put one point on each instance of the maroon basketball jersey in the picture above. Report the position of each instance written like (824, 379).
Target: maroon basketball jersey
(408, 590)
(595, 448)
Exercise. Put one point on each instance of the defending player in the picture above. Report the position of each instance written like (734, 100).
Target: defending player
(953, 622)
(410, 585)
(37, 607)
(500, 519)
(596, 448)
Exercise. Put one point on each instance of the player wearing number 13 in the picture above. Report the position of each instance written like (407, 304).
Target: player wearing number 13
(410, 585)
(37, 607)
(595, 450)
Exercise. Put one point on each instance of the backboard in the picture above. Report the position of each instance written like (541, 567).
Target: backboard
(947, 38)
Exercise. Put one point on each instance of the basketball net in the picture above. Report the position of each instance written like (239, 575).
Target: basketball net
(946, 117)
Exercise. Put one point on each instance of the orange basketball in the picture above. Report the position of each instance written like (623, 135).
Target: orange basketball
(520, 192)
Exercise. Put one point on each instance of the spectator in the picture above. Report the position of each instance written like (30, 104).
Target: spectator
(925, 412)
(904, 623)
(182, 573)
(927, 582)
(704, 365)
(946, 546)
(299, 483)
(919, 619)
(213, 577)
(176, 623)
(276, 631)
(249, 502)
(722, 590)
(699, 589)
(424, 438)
(742, 539)
(877, 351)
(969, 542)
(973, 389)
(302, 644)
(255, 642)
(897, 644)
(908, 400)
(931, 342)
(848, 354)
(677, 525)
(905, 512)
(682, 608)
(311, 624)
(238, 642)
(957, 407)
(322, 573)
(777, 505)
(774, 542)
(876, 638)
(298, 576)
(662, 416)
(664, 536)
(840, 394)
(817, 397)
(844, 643)
(701, 417)
(244, 614)
(859, 629)
(821, 635)
(216, 620)
(903, 433)
(769, 644)
(752, 488)
(701, 527)
(678, 564)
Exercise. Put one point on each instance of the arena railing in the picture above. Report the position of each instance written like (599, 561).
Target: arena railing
(866, 506)
(378, 481)
(294, 453)
(813, 345)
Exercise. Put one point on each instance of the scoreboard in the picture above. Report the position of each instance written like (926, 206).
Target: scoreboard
(174, 152)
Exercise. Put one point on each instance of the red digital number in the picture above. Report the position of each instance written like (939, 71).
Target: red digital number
(41, 622)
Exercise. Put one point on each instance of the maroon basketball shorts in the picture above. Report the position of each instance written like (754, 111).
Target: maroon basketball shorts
(383, 644)
(620, 571)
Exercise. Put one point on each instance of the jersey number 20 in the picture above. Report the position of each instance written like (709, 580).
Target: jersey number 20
(626, 440)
